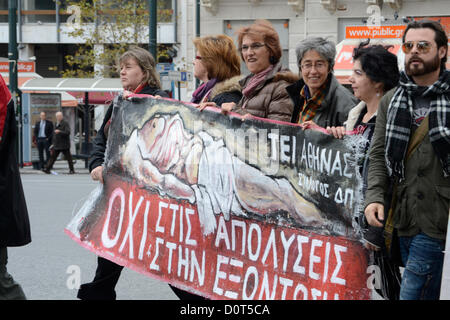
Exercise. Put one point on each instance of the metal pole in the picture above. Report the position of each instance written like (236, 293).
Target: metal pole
(152, 45)
(86, 128)
(197, 18)
(12, 47)
(175, 20)
(12, 59)
(58, 24)
(197, 29)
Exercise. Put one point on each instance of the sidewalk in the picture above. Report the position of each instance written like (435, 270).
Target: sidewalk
(60, 167)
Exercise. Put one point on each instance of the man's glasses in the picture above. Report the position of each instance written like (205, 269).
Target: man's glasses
(254, 46)
(422, 46)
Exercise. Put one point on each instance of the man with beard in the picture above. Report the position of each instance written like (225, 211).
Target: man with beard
(410, 156)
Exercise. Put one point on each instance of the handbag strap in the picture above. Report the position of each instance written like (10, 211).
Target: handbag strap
(417, 137)
(414, 142)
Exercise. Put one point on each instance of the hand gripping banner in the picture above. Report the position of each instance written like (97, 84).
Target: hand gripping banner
(225, 208)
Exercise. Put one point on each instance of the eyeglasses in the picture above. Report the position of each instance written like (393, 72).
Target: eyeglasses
(198, 58)
(254, 46)
(422, 46)
(321, 65)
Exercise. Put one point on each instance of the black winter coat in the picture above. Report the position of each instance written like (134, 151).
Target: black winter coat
(14, 221)
(226, 91)
(97, 156)
(61, 140)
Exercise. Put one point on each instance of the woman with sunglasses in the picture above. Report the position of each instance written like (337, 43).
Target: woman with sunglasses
(264, 90)
(216, 64)
(318, 96)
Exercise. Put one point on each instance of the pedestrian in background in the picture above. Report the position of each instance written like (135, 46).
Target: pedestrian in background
(137, 75)
(14, 221)
(411, 149)
(264, 90)
(318, 96)
(217, 65)
(42, 138)
(60, 143)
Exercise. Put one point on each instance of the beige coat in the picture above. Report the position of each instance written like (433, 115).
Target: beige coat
(270, 99)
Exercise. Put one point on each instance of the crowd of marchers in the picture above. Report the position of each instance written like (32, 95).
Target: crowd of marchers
(404, 115)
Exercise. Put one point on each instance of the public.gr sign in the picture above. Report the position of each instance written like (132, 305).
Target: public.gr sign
(227, 209)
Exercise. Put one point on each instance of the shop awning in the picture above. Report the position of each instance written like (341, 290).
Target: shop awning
(100, 91)
(67, 100)
(344, 56)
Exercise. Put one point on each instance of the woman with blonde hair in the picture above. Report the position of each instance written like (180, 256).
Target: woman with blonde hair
(264, 90)
(137, 75)
(217, 66)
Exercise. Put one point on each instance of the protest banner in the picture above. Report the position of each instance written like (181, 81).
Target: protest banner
(225, 208)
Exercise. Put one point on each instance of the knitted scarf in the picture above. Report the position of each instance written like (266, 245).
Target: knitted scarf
(399, 122)
(202, 90)
(255, 81)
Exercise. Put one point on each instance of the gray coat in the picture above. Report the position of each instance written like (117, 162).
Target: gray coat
(334, 108)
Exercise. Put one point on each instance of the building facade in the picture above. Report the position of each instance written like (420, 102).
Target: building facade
(42, 30)
(297, 19)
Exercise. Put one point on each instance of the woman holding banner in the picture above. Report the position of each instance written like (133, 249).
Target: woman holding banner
(318, 96)
(137, 75)
(375, 71)
(216, 64)
(264, 93)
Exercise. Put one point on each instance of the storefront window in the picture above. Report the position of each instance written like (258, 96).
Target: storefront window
(3, 11)
(39, 11)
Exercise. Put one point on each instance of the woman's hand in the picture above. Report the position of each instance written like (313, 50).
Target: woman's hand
(370, 246)
(126, 94)
(337, 132)
(97, 174)
(204, 105)
(227, 107)
(246, 117)
(308, 124)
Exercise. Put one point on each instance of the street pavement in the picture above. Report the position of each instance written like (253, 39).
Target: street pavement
(47, 267)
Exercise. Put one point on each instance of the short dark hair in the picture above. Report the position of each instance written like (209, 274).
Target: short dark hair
(378, 64)
(440, 37)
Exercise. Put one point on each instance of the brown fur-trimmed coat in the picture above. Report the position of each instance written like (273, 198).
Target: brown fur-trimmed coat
(270, 99)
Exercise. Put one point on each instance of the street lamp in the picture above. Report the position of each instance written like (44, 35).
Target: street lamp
(12, 59)
(152, 28)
